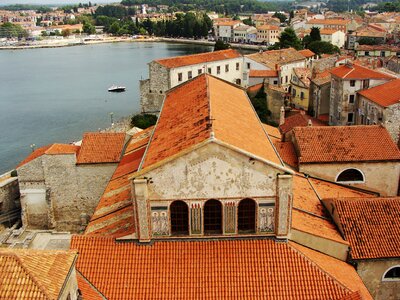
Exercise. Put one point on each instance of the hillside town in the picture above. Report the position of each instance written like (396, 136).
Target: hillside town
(268, 174)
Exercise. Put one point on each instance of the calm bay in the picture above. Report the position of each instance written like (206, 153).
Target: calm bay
(55, 95)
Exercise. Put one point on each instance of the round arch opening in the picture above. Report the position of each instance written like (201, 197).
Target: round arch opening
(350, 175)
(212, 217)
(179, 213)
(247, 216)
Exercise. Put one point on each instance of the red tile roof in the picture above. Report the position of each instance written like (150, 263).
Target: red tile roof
(356, 71)
(194, 59)
(344, 144)
(263, 73)
(327, 31)
(33, 274)
(287, 152)
(371, 225)
(385, 94)
(277, 57)
(299, 120)
(303, 75)
(306, 53)
(88, 291)
(98, 147)
(52, 149)
(113, 215)
(329, 21)
(185, 121)
(239, 269)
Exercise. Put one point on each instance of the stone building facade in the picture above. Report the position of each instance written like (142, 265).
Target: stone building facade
(165, 74)
(9, 193)
(346, 81)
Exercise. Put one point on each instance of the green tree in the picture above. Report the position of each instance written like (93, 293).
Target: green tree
(288, 38)
(367, 41)
(88, 28)
(248, 22)
(114, 28)
(66, 32)
(315, 34)
(221, 45)
(280, 16)
(143, 121)
(9, 30)
(260, 106)
(322, 47)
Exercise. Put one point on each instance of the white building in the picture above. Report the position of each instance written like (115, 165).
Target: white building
(167, 73)
(225, 30)
(333, 36)
(245, 34)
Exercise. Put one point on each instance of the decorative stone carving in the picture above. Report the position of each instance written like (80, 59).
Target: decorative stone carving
(195, 218)
(160, 222)
(266, 217)
(230, 217)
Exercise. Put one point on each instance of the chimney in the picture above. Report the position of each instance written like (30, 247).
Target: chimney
(309, 124)
(282, 116)
(302, 112)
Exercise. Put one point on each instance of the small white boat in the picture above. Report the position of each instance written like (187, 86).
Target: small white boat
(117, 89)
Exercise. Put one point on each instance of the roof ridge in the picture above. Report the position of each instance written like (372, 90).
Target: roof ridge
(27, 271)
(212, 133)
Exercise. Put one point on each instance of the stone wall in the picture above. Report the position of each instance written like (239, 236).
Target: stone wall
(9, 193)
(275, 100)
(152, 90)
(319, 99)
(56, 193)
(372, 272)
(381, 177)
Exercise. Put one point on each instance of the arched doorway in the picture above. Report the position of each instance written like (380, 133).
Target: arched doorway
(352, 175)
(247, 216)
(213, 217)
(179, 213)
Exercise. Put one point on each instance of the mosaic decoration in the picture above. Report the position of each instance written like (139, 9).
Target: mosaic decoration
(266, 217)
(230, 217)
(195, 218)
(160, 222)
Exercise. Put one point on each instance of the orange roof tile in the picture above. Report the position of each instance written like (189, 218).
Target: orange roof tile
(185, 121)
(268, 27)
(98, 147)
(255, 88)
(276, 57)
(51, 149)
(88, 291)
(329, 21)
(385, 94)
(287, 152)
(303, 75)
(340, 270)
(34, 274)
(377, 48)
(194, 59)
(356, 71)
(327, 31)
(299, 120)
(371, 225)
(322, 78)
(344, 144)
(229, 23)
(113, 215)
(263, 73)
(272, 131)
(203, 270)
(306, 53)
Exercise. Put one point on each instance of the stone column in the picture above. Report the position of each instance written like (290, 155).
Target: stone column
(284, 202)
(142, 209)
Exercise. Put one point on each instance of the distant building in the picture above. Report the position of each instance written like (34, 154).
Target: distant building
(377, 51)
(337, 24)
(225, 30)
(167, 73)
(333, 36)
(244, 34)
(268, 34)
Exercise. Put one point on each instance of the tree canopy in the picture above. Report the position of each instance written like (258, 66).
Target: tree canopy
(288, 38)
(9, 30)
(221, 45)
(322, 47)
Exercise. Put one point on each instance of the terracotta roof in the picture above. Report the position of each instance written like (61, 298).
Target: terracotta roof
(299, 120)
(327, 31)
(88, 291)
(272, 131)
(255, 88)
(229, 23)
(322, 78)
(263, 73)
(329, 21)
(287, 152)
(371, 225)
(306, 53)
(356, 71)
(34, 274)
(185, 121)
(277, 57)
(51, 149)
(377, 48)
(385, 94)
(268, 27)
(340, 270)
(204, 270)
(194, 59)
(98, 147)
(303, 74)
(344, 144)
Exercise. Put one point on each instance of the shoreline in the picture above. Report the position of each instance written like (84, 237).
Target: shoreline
(129, 40)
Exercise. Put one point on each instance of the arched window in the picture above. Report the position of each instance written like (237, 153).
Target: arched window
(213, 217)
(350, 175)
(247, 216)
(393, 274)
(179, 218)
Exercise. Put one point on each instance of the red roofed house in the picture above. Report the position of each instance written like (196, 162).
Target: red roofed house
(61, 184)
(268, 34)
(167, 73)
(381, 105)
(198, 210)
(346, 81)
(359, 156)
(372, 227)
